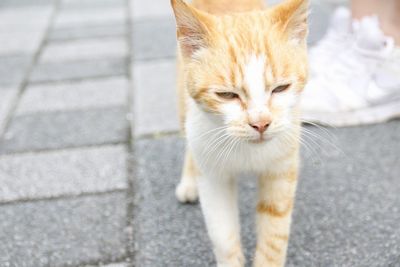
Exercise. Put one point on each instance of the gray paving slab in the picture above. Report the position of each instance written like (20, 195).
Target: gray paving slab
(155, 100)
(90, 16)
(54, 72)
(7, 98)
(77, 33)
(35, 18)
(55, 130)
(88, 49)
(13, 69)
(20, 42)
(108, 265)
(60, 173)
(65, 232)
(23, 36)
(90, 3)
(318, 20)
(76, 95)
(147, 9)
(154, 38)
(24, 3)
(346, 214)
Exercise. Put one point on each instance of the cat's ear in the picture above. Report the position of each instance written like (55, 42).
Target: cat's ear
(193, 27)
(292, 17)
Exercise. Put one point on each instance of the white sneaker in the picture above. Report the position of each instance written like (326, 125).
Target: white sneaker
(359, 86)
(337, 37)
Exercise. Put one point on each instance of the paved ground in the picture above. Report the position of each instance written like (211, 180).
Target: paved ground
(89, 151)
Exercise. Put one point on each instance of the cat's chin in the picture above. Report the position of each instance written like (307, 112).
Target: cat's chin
(260, 140)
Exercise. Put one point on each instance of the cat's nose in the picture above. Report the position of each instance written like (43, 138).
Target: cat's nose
(260, 126)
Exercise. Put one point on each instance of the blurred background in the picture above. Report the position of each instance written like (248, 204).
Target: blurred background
(90, 151)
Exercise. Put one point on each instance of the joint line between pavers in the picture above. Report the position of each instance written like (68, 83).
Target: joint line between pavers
(60, 197)
(130, 249)
(33, 63)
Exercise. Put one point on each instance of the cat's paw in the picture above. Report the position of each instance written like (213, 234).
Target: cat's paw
(186, 192)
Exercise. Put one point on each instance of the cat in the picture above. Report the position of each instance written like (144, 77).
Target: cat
(241, 70)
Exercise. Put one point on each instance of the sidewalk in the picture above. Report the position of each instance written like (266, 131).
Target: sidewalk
(90, 151)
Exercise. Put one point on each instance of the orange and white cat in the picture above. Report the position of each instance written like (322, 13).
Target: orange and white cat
(241, 71)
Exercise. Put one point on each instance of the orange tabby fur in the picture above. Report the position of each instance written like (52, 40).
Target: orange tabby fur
(214, 51)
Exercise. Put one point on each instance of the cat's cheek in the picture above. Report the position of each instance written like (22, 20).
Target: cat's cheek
(283, 104)
(285, 100)
(232, 111)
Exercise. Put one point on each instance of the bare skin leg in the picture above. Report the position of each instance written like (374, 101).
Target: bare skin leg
(388, 12)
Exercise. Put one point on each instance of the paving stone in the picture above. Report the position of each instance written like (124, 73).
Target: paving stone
(91, 3)
(100, 31)
(318, 20)
(52, 72)
(146, 9)
(7, 98)
(34, 19)
(20, 42)
(23, 36)
(109, 265)
(78, 95)
(54, 130)
(154, 38)
(13, 69)
(25, 3)
(85, 50)
(59, 173)
(346, 213)
(65, 232)
(155, 100)
(90, 16)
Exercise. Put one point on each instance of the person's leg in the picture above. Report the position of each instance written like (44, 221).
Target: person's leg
(387, 11)
(390, 19)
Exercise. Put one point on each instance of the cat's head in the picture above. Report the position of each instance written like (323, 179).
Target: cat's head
(247, 68)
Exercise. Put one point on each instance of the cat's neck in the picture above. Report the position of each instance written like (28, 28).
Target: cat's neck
(228, 6)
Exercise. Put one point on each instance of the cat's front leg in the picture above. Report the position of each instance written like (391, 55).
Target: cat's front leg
(186, 191)
(274, 210)
(218, 198)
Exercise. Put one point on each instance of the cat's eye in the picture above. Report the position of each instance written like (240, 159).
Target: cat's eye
(227, 95)
(281, 88)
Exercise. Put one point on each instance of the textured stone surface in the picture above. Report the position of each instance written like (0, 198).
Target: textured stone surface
(90, 16)
(86, 94)
(52, 130)
(91, 3)
(53, 72)
(155, 100)
(98, 31)
(108, 265)
(67, 172)
(13, 69)
(149, 9)
(7, 98)
(25, 3)
(85, 50)
(154, 38)
(20, 42)
(346, 214)
(22, 36)
(63, 232)
(34, 18)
